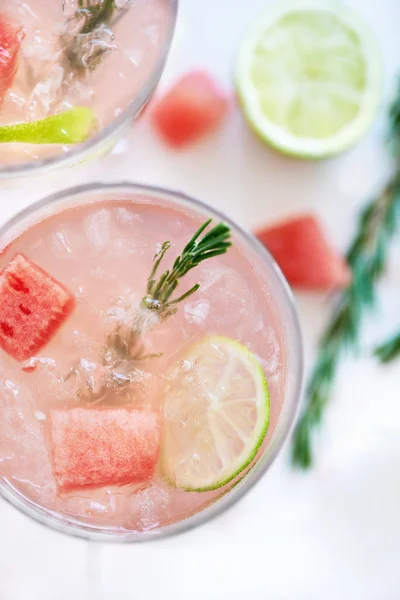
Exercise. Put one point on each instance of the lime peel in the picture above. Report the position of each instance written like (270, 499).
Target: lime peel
(324, 70)
(216, 415)
(69, 127)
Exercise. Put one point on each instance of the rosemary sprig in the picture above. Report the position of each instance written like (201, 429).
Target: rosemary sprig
(95, 13)
(159, 302)
(89, 36)
(367, 257)
(389, 350)
(159, 291)
(125, 345)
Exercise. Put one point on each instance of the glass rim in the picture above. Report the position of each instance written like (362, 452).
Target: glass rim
(73, 526)
(94, 143)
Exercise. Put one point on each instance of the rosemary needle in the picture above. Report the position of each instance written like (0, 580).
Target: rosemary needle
(389, 350)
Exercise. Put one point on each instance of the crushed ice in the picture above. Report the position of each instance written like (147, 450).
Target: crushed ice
(92, 381)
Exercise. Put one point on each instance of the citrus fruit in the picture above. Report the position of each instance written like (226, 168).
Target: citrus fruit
(69, 127)
(308, 77)
(216, 414)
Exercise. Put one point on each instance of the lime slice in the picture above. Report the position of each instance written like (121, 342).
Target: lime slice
(70, 127)
(308, 76)
(216, 415)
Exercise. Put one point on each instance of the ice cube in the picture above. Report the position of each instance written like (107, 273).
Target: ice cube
(9, 391)
(86, 507)
(176, 226)
(149, 508)
(40, 416)
(43, 73)
(127, 217)
(224, 299)
(95, 382)
(66, 243)
(197, 312)
(69, 7)
(97, 227)
(30, 365)
(13, 103)
(46, 94)
(38, 51)
(23, 448)
(124, 247)
(75, 91)
(124, 3)
(267, 350)
(272, 351)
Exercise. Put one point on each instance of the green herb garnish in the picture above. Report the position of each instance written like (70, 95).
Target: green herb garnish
(159, 302)
(160, 291)
(367, 258)
(389, 350)
(89, 36)
(95, 13)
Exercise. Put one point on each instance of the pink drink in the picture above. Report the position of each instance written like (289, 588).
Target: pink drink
(46, 83)
(102, 251)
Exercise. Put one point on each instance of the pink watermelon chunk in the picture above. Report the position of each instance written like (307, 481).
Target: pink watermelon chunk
(192, 108)
(11, 35)
(33, 305)
(104, 446)
(304, 255)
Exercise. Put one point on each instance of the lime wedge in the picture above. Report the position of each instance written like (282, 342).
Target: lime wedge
(308, 77)
(70, 127)
(216, 414)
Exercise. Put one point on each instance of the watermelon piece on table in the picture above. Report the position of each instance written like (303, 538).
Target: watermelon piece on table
(33, 305)
(104, 446)
(192, 108)
(306, 258)
(11, 35)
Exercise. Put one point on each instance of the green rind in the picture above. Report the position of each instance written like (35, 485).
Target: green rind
(220, 483)
(367, 38)
(70, 127)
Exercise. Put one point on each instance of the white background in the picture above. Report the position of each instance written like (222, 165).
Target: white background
(333, 533)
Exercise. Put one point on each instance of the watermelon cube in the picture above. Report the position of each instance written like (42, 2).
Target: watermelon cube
(103, 446)
(306, 258)
(192, 108)
(11, 35)
(33, 305)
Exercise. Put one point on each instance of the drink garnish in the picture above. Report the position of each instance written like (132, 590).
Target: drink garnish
(125, 345)
(11, 35)
(72, 126)
(216, 414)
(367, 257)
(33, 305)
(160, 302)
(104, 446)
(89, 36)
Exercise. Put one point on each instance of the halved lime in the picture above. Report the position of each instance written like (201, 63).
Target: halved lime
(216, 415)
(308, 76)
(69, 127)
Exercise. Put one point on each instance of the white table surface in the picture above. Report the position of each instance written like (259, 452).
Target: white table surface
(333, 533)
